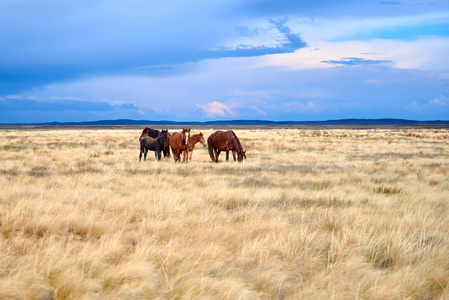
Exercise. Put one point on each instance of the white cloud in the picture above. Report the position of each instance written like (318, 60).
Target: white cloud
(437, 102)
(294, 106)
(216, 109)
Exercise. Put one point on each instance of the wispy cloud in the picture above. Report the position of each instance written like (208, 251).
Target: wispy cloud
(290, 42)
(353, 61)
(300, 107)
(438, 102)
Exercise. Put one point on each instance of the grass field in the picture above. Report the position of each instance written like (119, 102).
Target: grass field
(311, 214)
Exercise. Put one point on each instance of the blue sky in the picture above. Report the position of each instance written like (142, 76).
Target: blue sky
(235, 59)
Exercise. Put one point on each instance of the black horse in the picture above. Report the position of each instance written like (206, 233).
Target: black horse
(154, 134)
(156, 145)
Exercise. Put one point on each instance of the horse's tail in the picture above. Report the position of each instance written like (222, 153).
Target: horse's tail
(211, 148)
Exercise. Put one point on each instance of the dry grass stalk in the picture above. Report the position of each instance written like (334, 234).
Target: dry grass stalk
(311, 214)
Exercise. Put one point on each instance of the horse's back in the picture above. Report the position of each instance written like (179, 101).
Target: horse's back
(146, 140)
(219, 140)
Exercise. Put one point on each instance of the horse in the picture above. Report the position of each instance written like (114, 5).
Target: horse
(154, 134)
(179, 141)
(195, 138)
(149, 132)
(156, 145)
(225, 141)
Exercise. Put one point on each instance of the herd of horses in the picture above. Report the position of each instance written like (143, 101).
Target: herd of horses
(161, 141)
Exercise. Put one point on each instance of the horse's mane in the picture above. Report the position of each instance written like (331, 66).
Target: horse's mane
(238, 142)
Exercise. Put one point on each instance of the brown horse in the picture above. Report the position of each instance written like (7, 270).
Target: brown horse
(149, 132)
(195, 138)
(225, 141)
(179, 141)
(154, 134)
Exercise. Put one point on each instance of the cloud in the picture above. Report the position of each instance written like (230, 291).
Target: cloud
(354, 61)
(216, 109)
(290, 42)
(415, 107)
(123, 37)
(437, 102)
(373, 81)
(390, 2)
(18, 104)
(294, 106)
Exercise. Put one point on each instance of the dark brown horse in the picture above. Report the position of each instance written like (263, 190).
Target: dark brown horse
(154, 134)
(179, 141)
(225, 141)
(195, 138)
(156, 145)
(149, 132)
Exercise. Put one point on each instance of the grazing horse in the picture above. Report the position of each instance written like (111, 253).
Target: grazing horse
(154, 134)
(156, 145)
(225, 141)
(179, 141)
(195, 138)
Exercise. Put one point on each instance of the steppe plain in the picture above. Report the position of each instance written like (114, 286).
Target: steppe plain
(313, 213)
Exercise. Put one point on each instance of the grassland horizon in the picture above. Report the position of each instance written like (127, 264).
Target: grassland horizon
(358, 213)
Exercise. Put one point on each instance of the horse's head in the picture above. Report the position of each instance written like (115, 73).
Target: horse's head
(163, 135)
(202, 141)
(185, 136)
(241, 156)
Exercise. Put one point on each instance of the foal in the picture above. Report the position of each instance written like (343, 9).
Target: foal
(156, 145)
(195, 138)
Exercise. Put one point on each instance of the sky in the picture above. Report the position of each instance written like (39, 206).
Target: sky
(201, 60)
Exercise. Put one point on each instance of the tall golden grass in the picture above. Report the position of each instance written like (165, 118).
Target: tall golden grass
(311, 214)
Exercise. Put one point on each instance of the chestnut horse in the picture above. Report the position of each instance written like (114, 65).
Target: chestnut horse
(154, 134)
(195, 138)
(225, 141)
(179, 141)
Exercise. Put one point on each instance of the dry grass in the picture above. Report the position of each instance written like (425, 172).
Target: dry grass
(312, 214)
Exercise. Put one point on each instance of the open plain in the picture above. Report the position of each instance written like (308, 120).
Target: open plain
(311, 214)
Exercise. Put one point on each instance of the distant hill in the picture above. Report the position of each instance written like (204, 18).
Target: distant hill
(250, 122)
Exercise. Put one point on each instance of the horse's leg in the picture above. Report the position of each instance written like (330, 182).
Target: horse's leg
(179, 155)
(173, 151)
(176, 154)
(167, 152)
(217, 152)
(145, 154)
(227, 154)
(233, 154)
(140, 155)
(158, 153)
